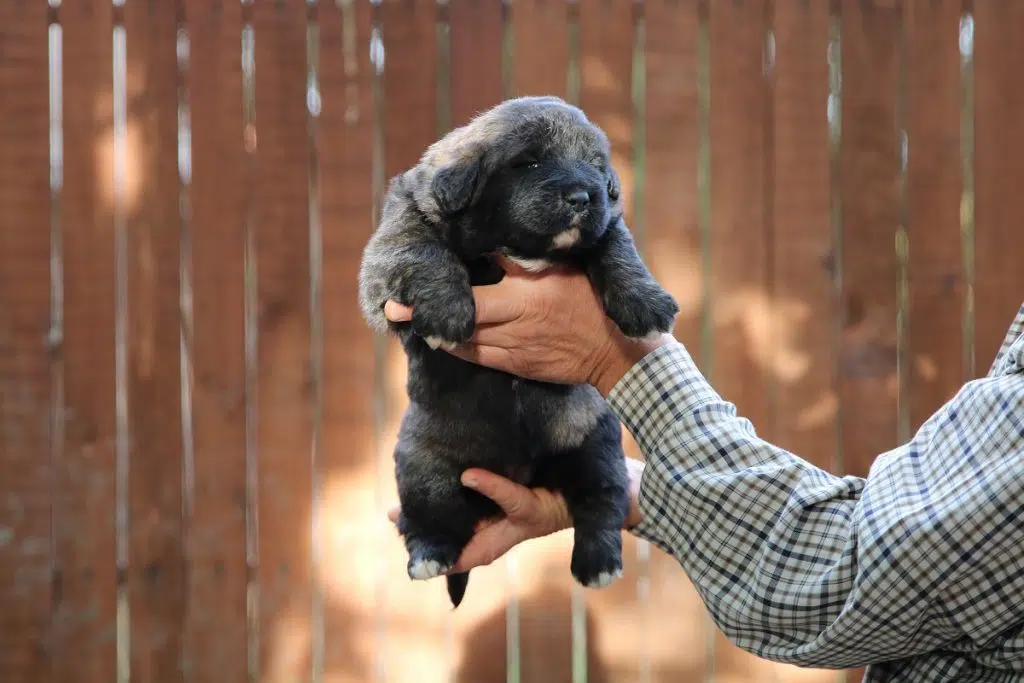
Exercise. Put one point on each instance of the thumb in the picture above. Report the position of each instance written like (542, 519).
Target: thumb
(512, 498)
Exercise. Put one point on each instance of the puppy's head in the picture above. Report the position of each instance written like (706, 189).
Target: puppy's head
(530, 177)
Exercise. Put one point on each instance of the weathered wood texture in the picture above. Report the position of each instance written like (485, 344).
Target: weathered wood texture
(283, 392)
(26, 430)
(998, 168)
(87, 491)
(830, 190)
(216, 631)
(148, 204)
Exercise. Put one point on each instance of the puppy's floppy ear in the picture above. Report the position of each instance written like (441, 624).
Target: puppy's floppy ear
(456, 183)
(614, 186)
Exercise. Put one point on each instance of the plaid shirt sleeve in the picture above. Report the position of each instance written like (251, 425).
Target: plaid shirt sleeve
(916, 570)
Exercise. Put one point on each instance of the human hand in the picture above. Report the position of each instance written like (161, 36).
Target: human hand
(526, 514)
(548, 326)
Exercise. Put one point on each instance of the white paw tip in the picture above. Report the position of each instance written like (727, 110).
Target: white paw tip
(653, 336)
(422, 570)
(605, 578)
(438, 343)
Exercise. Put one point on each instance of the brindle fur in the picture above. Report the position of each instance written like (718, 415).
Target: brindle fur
(503, 184)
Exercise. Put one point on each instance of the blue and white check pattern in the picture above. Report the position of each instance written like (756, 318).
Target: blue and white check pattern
(916, 571)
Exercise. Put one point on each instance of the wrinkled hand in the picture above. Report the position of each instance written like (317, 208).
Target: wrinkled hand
(548, 326)
(525, 514)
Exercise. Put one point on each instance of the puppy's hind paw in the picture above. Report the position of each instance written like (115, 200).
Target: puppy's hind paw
(605, 579)
(430, 560)
(597, 558)
(421, 569)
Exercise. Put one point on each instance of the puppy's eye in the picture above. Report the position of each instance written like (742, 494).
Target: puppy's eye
(525, 161)
(613, 191)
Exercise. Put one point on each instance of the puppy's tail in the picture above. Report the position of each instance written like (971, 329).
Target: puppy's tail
(457, 587)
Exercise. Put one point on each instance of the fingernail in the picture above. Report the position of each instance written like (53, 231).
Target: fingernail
(469, 480)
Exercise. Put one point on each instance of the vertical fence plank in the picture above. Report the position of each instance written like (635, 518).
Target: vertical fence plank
(607, 42)
(804, 336)
(870, 168)
(86, 603)
(476, 68)
(741, 309)
(998, 174)
(156, 587)
(283, 308)
(25, 381)
(350, 516)
(215, 629)
(541, 39)
(934, 182)
(411, 78)
(672, 247)
(803, 266)
(410, 120)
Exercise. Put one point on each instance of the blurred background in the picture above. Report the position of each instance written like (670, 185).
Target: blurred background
(196, 426)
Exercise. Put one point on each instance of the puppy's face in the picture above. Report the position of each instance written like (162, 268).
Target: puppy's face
(537, 181)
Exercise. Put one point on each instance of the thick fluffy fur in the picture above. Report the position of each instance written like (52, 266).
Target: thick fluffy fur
(530, 178)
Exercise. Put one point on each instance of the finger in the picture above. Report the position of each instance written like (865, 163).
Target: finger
(393, 513)
(498, 303)
(495, 335)
(488, 545)
(511, 497)
(396, 312)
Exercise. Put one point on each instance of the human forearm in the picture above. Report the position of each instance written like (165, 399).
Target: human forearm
(728, 506)
(799, 565)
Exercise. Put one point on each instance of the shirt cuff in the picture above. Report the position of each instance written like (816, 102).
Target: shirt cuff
(658, 392)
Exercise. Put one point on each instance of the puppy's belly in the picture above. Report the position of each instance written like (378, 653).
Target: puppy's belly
(567, 420)
(492, 420)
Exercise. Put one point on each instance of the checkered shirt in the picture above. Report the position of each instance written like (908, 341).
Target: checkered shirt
(915, 571)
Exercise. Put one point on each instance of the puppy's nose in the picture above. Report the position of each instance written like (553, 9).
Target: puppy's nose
(578, 199)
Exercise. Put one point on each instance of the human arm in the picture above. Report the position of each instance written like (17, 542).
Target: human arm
(798, 565)
(795, 564)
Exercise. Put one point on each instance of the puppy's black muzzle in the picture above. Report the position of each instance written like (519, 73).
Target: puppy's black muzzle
(578, 200)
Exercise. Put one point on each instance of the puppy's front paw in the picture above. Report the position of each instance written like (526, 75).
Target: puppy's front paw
(641, 311)
(445, 318)
(597, 557)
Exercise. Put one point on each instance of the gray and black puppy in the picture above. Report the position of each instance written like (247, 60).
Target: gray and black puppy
(531, 179)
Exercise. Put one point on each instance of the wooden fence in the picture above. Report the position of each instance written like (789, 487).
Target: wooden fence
(196, 428)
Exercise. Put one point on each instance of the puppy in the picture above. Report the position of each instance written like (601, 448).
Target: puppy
(530, 179)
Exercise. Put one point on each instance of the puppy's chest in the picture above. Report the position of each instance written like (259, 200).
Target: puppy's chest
(558, 421)
(483, 271)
